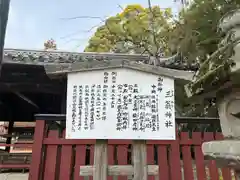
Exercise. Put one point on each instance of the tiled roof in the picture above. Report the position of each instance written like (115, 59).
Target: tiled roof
(41, 57)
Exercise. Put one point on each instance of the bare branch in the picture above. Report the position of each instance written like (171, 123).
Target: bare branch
(151, 19)
(74, 33)
(75, 39)
(84, 31)
(81, 17)
(120, 7)
(81, 31)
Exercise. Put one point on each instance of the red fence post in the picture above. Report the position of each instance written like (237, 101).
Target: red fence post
(199, 158)
(187, 158)
(50, 164)
(163, 167)
(35, 166)
(213, 171)
(150, 158)
(66, 162)
(226, 172)
(175, 164)
(80, 155)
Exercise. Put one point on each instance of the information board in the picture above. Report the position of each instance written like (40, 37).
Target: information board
(120, 104)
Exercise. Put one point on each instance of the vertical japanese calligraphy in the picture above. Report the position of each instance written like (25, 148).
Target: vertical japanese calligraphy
(169, 108)
(105, 79)
(142, 111)
(113, 89)
(98, 102)
(135, 110)
(121, 104)
(114, 77)
(74, 108)
(104, 103)
(86, 108)
(80, 106)
(160, 84)
(119, 112)
(154, 107)
(92, 109)
(125, 110)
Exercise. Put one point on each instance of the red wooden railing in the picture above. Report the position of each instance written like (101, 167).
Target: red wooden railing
(55, 157)
(16, 155)
(15, 160)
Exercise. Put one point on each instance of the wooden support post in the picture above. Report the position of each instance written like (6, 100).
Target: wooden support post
(100, 160)
(237, 175)
(100, 170)
(140, 160)
(10, 131)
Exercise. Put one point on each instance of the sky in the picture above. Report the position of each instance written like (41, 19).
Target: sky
(31, 22)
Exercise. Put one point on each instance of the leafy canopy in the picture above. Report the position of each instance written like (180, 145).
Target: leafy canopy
(135, 30)
(199, 39)
(194, 35)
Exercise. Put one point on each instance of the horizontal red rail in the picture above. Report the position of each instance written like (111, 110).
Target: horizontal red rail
(61, 141)
(25, 145)
(14, 166)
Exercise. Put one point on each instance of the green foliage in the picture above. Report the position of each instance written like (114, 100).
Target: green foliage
(199, 39)
(135, 30)
(194, 35)
(197, 33)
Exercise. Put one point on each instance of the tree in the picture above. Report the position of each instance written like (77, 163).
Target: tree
(196, 33)
(134, 30)
(137, 30)
(146, 30)
(197, 37)
(50, 45)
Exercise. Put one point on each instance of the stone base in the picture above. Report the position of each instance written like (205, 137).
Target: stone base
(225, 152)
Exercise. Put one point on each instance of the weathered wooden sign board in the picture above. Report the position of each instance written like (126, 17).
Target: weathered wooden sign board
(120, 104)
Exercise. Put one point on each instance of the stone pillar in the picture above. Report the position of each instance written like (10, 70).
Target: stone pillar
(227, 152)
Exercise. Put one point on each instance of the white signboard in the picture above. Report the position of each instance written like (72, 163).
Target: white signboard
(120, 104)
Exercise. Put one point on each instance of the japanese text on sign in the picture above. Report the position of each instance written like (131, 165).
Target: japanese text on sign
(120, 104)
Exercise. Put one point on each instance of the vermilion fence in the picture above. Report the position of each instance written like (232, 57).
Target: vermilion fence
(55, 158)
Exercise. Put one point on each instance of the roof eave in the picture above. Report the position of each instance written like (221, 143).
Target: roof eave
(60, 69)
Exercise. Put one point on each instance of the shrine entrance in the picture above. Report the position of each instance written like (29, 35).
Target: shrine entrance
(55, 157)
(76, 145)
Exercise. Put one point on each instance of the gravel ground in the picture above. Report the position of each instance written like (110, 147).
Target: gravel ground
(24, 176)
(14, 176)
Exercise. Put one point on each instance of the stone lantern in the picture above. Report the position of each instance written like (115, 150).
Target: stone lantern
(227, 152)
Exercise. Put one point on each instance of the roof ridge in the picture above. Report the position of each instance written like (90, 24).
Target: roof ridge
(60, 52)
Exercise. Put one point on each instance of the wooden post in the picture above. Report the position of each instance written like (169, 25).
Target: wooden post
(10, 131)
(140, 160)
(100, 160)
(4, 11)
(237, 176)
(100, 170)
